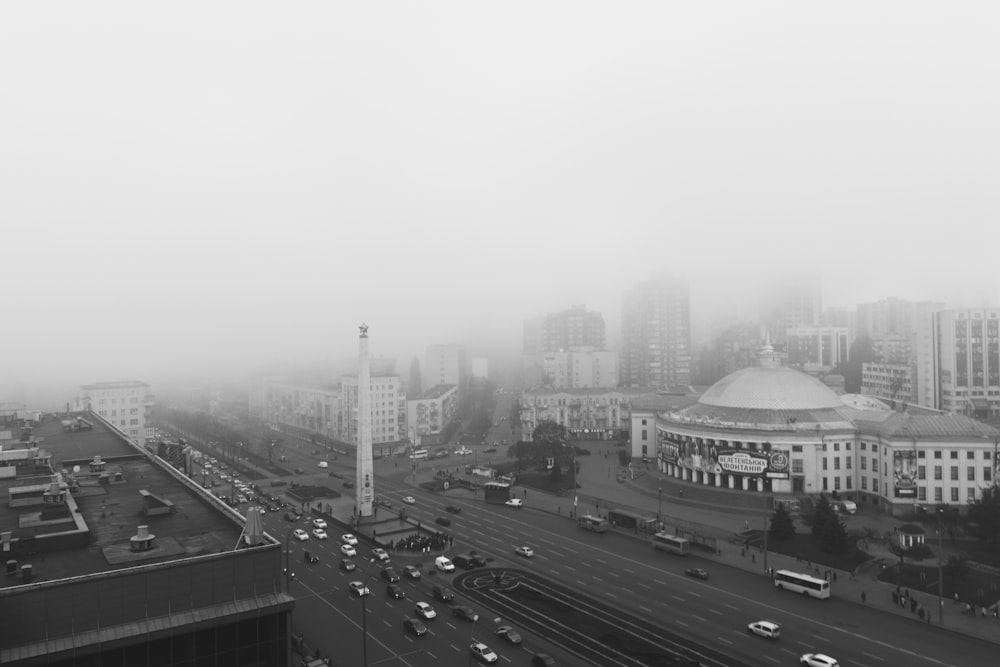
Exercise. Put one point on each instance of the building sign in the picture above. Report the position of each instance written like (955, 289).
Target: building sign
(704, 456)
(904, 472)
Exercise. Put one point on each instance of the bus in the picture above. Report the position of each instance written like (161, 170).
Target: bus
(593, 523)
(419, 454)
(802, 583)
(671, 543)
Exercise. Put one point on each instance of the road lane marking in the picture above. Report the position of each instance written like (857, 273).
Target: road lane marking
(873, 656)
(715, 611)
(646, 609)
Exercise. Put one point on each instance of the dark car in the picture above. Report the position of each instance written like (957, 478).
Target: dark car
(390, 575)
(465, 613)
(290, 517)
(443, 593)
(415, 627)
(542, 660)
(453, 509)
(509, 634)
(696, 572)
(442, 521)
(348, 484)
(310, 556)
(299, 471)
(489, 450)
(395, 591)
(279, 482)
(347, 565)
(411, 571)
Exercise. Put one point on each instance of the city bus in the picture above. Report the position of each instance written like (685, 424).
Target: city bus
(594, 523)
(419, 454)
(802, 583)
(671, 543)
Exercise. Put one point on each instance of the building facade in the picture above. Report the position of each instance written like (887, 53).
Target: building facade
(816, 348)
(580, 368)
(429, 415)
(445, 364)
(966, 353)
(656, 334)
(589, 414)
(315, 409)
(126, 405)
(894, 382)
(791, 302)
(388, 410)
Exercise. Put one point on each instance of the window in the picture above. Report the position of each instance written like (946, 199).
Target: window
(921, 472)
(937, 472)
(643, 422)
(824, 484)
(864, 446)
(970, 454)
(954, 455)
(970, 473)
(849, 483)
(986, 456)
(920, 454)
(796, 448)
(875, 484)
(954, 494)
(970, 494)
(824, 463)
(954, 473)
(938, 496)
(874, 465)
(644, 448)
(644, 435)
(864, 483)
(847, 446)
(987, 474)
(797, 466)
(836, 446)
(824, 446)
(937, 454)
(864, 463)
(921, 493)
(836, 483)
(874, 448)
(847, 462)
(836, 463)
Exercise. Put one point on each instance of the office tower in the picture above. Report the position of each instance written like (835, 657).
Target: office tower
(656, 334)
(966, 349)
(445, 364)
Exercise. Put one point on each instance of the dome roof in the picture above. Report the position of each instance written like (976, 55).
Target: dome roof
(770, 388)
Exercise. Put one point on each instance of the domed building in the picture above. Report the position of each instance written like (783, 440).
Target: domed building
(776, 430)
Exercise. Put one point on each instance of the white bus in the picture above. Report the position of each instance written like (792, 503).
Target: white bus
(802, 583)
(419, 454)
(594, 523)
(671, 543)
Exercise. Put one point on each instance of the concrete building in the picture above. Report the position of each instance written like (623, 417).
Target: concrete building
(775, 430)
(387, 404)
(893, 382)
(656, 334)
(816, 348)
(429, 415)
(123, 560)
(314, 409)
(790, 303)
(574, 327)
(445, 364)
(126, 405)
(481, 367)
(966, 361)
(580, 368)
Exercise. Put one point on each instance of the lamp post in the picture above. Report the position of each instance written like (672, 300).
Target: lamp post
(288, 561)
(659, 508)
(940, 571)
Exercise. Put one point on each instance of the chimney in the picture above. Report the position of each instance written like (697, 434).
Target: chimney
(97, 465)
(142, 540)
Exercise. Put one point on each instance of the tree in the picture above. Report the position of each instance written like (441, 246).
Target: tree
(956, 567)
(782, 527)
(556, 473)
(828, 529)
(549, 432)
(984, 516)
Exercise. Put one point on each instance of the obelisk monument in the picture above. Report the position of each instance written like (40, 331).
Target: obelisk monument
(365, 483)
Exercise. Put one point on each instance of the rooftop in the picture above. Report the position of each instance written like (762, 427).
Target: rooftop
(92, 531)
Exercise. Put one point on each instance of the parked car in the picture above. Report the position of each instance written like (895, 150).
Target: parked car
(443, 593)
(444, 564)
(415, 627)
(696, 572)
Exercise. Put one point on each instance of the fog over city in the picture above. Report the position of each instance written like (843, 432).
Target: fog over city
(224, 187)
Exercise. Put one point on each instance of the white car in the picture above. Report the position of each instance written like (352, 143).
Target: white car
(348, 550)
(514, 502)
(347, 538)
(359, 589)
(444, 564)
(380, 554)
(765, 629)
(319, 523)
(300, 535)
(410, 500)
(483, 653)
(425, 610)
(323, 464)
(319, 534)
(526, 552)
(818, 660)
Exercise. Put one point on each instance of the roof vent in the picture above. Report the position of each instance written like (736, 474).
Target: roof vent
(143, 540)
(97, 465)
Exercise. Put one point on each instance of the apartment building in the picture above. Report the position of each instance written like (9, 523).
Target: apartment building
(126, 406)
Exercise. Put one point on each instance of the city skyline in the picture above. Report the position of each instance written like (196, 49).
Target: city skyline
(214, 191)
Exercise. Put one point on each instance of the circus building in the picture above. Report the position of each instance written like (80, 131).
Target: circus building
(775, 430)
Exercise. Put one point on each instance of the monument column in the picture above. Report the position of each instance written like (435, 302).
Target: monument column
(365, 482)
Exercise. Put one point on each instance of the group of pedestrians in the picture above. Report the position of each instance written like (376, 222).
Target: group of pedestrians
(423, 543)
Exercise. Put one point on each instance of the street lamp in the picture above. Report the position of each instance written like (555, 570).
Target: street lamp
(940, 511)
(288, 561)
(659, 508)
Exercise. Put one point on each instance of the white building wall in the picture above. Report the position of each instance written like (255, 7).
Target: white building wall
(126, 405)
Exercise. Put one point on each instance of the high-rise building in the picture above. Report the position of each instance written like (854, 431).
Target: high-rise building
(387, 404)
(656, 334)
(575, 327)
(816, 348)
(559, 342)
(445, 364)
(580, 368)
(125, 405)
(794, 301)
(966, 348)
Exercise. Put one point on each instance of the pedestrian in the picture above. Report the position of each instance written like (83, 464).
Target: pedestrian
(956, 598)
(746, 525)
(863, 597)
(753, 558)
(834, 577)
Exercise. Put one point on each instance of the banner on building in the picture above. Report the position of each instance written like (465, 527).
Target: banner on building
(904, 469)
(705, 456)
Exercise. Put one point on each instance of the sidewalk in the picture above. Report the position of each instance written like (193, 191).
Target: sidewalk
(652, 494)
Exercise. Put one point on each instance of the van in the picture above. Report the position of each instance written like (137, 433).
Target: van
(849, 506)
(419, 454)
(444, 564)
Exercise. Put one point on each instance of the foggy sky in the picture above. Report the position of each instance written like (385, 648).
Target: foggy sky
(219, 185)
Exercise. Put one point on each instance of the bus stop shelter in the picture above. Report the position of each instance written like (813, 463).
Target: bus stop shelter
(632, 520)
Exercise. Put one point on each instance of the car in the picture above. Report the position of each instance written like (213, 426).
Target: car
(442, 521)
(524, 552)
(696, 572)
(515, 502)
(347, 565)
(310, 556)
(380, 555)
(382, 502)
(395, 591)
(444, 564)
(300, 535)
(765, 629)
(390, 575)
(290, 517)
(817, 660)
(509, 634)
(410, 500)
(347, 538)
(411, 572)
(279, 482)
(348, 550)
(319, 533)
(319, 523)
(483, 653)
(323, 464)
(489, 450)
(358, 588)
(299, 471)
(542, 660)
(443, 593)
(348, 484)
(453, 509)
(465, 613)
(415, 627)
(426, 611)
